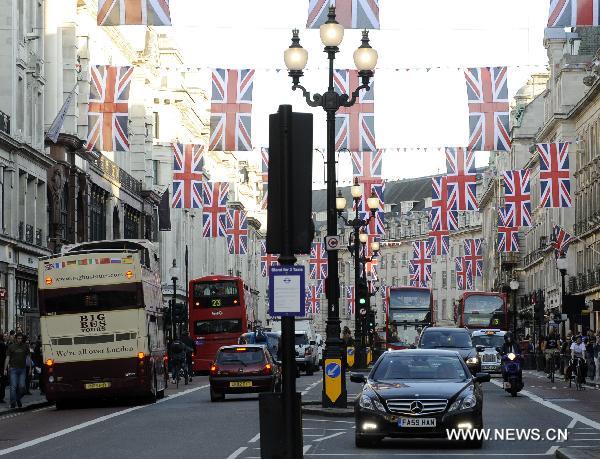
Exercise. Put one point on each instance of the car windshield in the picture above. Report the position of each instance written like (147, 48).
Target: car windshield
(300, 340)
(488, 340)
(430, 367)
(458, 338)
(245, 356)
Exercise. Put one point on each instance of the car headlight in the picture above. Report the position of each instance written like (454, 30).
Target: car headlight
(472, 361)
(511, 356)
(465, 401)
(371, 403)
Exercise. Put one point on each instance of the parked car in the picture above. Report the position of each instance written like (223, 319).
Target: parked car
(417, 393)
(243, 369)
(490, 339)
(307, 357)
(453, 339)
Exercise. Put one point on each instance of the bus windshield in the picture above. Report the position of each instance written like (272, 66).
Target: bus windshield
(216, 294)
(90, 299)
(483, 310)
(410, 299)
(211, 327)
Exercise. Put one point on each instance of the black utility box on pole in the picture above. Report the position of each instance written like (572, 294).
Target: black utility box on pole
(289, 231)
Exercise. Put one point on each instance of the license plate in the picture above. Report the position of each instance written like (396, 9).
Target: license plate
(416, 422)
(98, 385)
(240, 384)
(506, 385)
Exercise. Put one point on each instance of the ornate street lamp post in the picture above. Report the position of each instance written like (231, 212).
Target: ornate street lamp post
(354, 245)
(365, 59)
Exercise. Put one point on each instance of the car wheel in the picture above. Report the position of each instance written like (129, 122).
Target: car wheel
(475, 444)
(216, 396)
(362, 442)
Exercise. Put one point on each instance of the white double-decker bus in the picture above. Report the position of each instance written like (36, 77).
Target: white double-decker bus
(102, 321)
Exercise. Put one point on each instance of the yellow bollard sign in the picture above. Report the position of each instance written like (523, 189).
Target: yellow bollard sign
(350, 356)
(333, 379)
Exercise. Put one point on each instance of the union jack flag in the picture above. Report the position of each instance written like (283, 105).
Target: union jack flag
(354, 126)
(438, 242)
(464, 275)
(237, 232)
(560, 240)
(366, 169)
(487, 94)
(188, 161)
(517, 193)
(508, 234)
(214, 208)
(571, 13)
(474, 256)
(441, 216)
(461, 179)
(313, 299)
(377, 224)
(421, 262)
(134, 12)
(108, 108)
(231, 110)
(414, 281)
(352, 14)
(318, 261)
(555, 181)
(385, 290)
(266, 259)
(350, 300)
(371, 266)
(264, 154)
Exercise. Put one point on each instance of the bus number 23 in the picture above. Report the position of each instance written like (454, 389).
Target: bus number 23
(215, 302)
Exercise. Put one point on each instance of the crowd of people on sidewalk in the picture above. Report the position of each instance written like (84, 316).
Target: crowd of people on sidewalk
(22, 364)
(583, 346)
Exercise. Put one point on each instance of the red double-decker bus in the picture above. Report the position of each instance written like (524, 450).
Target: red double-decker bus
(483, 310)
(409, 309)
(220, 311)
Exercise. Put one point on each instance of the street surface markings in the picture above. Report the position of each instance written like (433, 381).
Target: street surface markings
(306, 448)
(311, 386)
(237, 452)
(329, 436)
(572, 414)
(255, 438)
(83, 425)
(21, 413)
(390, 454)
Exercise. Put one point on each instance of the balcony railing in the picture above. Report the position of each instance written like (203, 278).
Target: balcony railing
(29, 234)
(38, 237)
(113, 171)
(584, 226)
(584, 281)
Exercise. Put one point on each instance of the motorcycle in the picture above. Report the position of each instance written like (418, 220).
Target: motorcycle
(512, 372)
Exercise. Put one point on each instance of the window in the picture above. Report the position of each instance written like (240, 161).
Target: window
(404, 280)
(131, 223)
(209, 327)
(444, 279)
(155, 125)
(452, 279)
(98, 214)
(444, 309)
(26, 295)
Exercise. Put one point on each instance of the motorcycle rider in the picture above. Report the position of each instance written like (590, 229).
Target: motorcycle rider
(509, 346)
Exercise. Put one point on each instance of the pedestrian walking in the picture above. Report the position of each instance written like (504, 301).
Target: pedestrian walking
(589, 354)
(597, 359)
(15, 365)
(3, 378)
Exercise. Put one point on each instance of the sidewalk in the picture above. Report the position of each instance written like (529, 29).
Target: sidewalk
(29, 401)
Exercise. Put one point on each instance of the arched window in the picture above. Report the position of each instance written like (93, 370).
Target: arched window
(116, 224)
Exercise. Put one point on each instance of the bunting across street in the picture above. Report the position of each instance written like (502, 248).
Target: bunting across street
(573, 13)
(318, 261)
(464, 275)
(508, 234)
(231, 110)
(421, 262)
(355, 125)
(441, 216)
(487, 94)
(474, 256)
(352, 14)
(188, 162)
(108, 108)
(214, 208)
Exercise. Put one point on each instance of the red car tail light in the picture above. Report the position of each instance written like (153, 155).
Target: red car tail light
(268, 369)
(214, 369)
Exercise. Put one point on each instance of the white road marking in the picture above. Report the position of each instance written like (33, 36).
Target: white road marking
(330, 436)
(305, 449)
(572, 423)
(552, 450)
(255, 438)
(83, 425)
(237, 452)
(584, 433)
(311, 386)
(572, 414)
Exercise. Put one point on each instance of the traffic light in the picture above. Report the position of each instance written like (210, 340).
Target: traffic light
(362, 298)
(179, 313)
(290, 176)
(371, 321)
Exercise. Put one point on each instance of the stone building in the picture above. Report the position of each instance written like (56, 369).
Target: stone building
(23, 164)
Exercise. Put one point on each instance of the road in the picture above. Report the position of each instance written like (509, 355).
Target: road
(187, 425)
